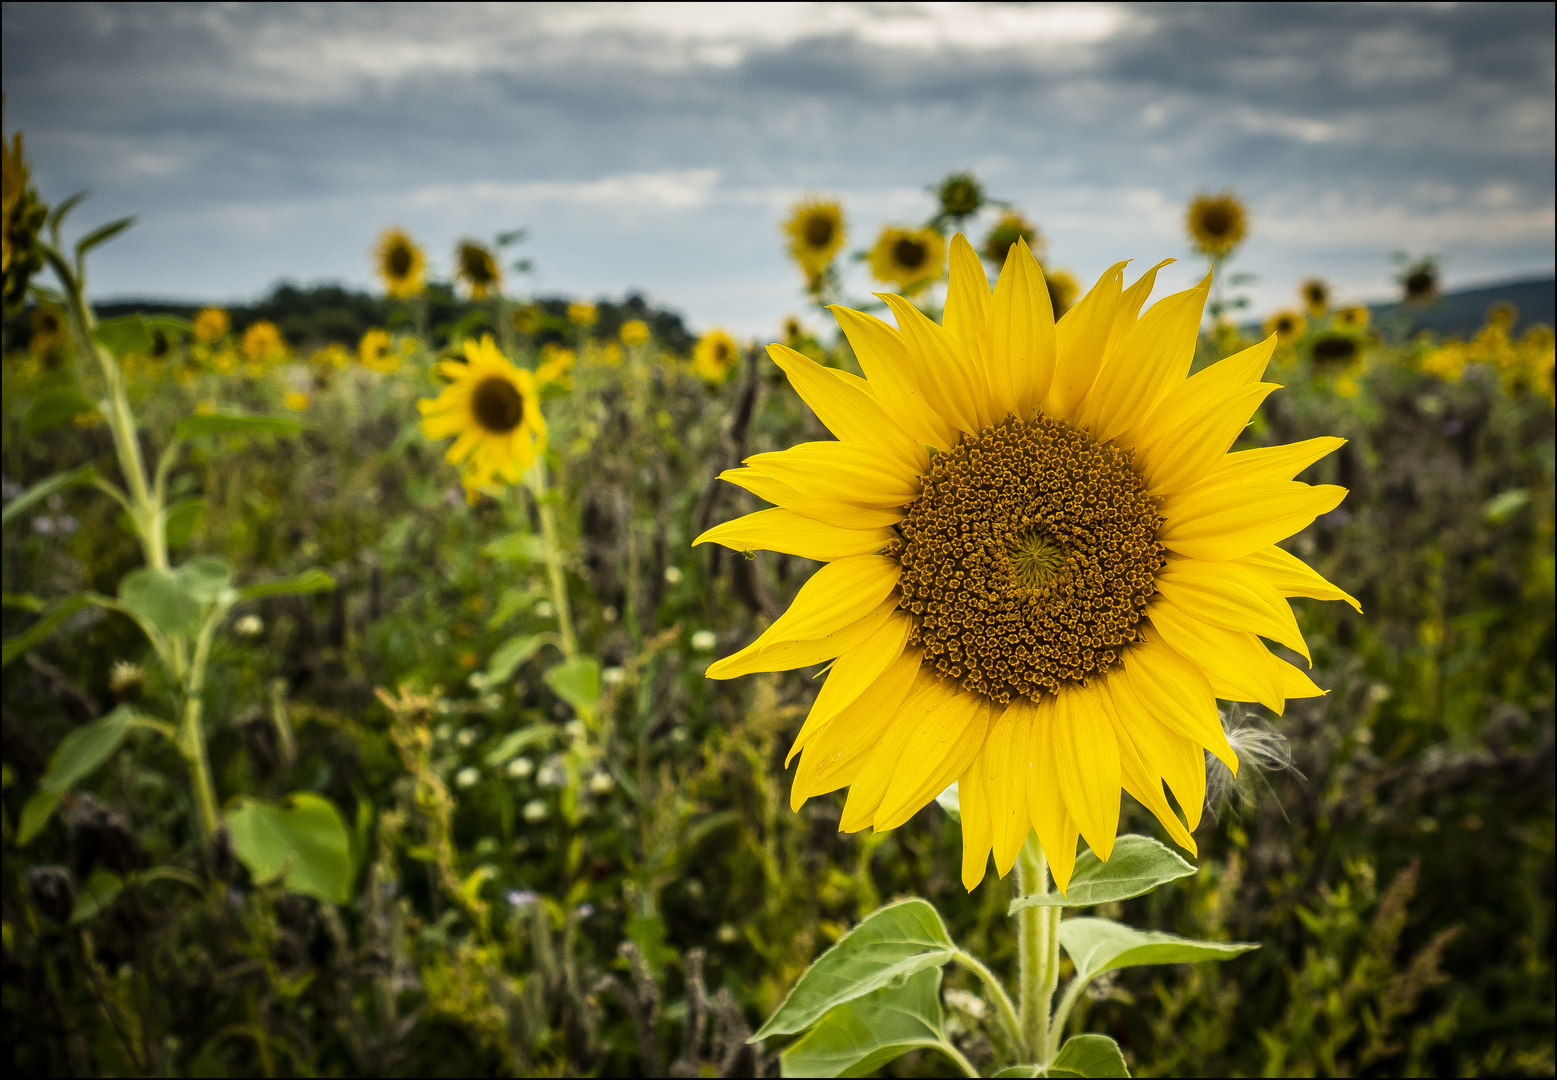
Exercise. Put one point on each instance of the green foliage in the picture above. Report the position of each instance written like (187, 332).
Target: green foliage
(302, 843)
(859, 1036)
(1137, 865)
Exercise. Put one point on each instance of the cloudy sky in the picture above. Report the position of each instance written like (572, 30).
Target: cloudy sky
(656, 146)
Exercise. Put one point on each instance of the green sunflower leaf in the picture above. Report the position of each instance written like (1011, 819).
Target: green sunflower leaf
(231, 423)
(53, 409)
(78, 755)
(1137, 866)
(1099, 945)
(304, 844)
(889, 944)
(309, 581)
(1088, 1055)
(860, 1036)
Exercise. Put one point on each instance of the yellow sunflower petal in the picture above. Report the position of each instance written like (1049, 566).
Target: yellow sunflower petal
(1270, 464)
(1201, 391)
(940, 367)
(1181, 761)
(1235, 663)
(1291, 576)
(1130, 302)
(1219, 523)
(1086, 762)
(855, 672)
(967, 301)
(1008, 767)
(1082, 341)
(1294, 683)
(1051, 818)
(974, 811)
(1021, 334)
(936, 751)
(1141, 372)
(1140, 774)
(1232, 596)
(795, 534)
(1193, 448)
(824, 509)
(851, 414)
(846, 472)
(834, 755)
(1176, 692)
(884, 358)
(788, 655)
(835, 598)
(924, 698)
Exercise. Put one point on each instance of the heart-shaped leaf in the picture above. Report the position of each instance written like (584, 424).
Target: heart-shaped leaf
(1099, 945)
(158, 597)
(577, 683)
(54, 409)
(1138, 865)
(304, 844)
(860, 1036)
(890, 943)
(1088, 1055)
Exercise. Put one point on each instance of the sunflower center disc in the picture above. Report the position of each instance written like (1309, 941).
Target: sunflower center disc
(497, 405)
(819, 231)
(909, 254)
(1028, 559)
(1217, 221)
(400, 261)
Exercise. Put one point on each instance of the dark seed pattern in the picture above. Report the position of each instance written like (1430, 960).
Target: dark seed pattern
(497, 404)
(997, 499)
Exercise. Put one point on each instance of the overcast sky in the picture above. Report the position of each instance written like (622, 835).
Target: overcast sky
(656, 147)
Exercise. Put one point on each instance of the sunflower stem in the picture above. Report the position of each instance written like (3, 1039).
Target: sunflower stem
(559, 583)
(1038, 949)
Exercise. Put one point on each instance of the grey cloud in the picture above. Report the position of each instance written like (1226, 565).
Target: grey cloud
(265, 139)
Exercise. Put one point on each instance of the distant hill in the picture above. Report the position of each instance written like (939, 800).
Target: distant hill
(1460, 314)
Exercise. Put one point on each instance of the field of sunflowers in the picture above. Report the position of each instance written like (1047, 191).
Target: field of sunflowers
(447, 681)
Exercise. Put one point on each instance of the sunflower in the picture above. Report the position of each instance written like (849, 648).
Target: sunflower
(373, 352)
(634, 332)
(212, 324)
(492, 406)
(401, 264)
(1352, 317)
(1062, 291)
(816, 233)
(1419, 282)
(1217, 223)
(1336, 353)
(714, 356)
(1042, 567)
(960, 195)
(907, 258)
(477, 267)
(1287, 326)
(263, 344)
(794, 330)
(1011, 227)
(582, 313)
(1315, 294)
(555, 364)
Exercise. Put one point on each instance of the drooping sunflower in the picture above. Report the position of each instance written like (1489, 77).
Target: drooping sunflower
(816, 233)
(1217, 223)
(1011, 227)
(1420, 283)
(714, 356)
(1315, 294)
(1043, 566)
(493, 407)
(960, 195)
(401, 264)
(1287, 326)
(1352, 317)
(908, 258)
(478, 269)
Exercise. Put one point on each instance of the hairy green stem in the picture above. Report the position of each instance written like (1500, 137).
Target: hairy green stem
(1038, 951)
(1008, 1017)
(956, 1055)
(559, 582)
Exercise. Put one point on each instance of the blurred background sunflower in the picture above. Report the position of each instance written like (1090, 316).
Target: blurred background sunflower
(908, 258)
(476, 267)
(400, 263)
